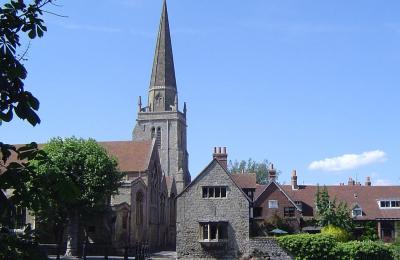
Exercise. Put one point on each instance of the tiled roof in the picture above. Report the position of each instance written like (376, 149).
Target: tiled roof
(132, 156)
(366, 197)
(245, 180)
(259, 189)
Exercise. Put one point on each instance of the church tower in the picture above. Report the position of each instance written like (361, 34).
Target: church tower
(161, 118)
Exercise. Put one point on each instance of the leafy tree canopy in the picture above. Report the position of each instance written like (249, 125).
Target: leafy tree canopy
(251, 166)
(329, 212)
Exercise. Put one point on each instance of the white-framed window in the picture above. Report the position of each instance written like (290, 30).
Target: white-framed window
(357, 212)
(213, 231)
(388, 204)
(272, 204)
(299, 204)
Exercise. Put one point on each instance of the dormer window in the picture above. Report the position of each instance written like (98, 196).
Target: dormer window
(357, 212)
(389, 204)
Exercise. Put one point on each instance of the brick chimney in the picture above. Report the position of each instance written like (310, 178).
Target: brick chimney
(368, 181)
(351, 182)
(221, 155)
(272, 173)
(294, 180)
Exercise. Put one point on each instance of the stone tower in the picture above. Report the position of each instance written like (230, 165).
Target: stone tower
(161, 118)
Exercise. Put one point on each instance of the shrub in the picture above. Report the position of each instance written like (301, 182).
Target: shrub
(307, 246)
(360, 250)
(395, 250)
(338, 233)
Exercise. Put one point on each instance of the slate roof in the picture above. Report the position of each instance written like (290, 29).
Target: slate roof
(245, 180)
(366, 197)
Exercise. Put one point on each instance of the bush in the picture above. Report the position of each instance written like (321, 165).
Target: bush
(395, 250)
(360, 250)
(323, 246)
(307, 246)
(338, 233)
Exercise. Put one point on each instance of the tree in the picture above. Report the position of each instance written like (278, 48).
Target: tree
(83, 165)
(331, 213)
(251, 166)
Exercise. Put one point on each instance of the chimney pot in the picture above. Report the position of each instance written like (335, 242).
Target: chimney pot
(368, 181)
(295, 186)
(222, 157)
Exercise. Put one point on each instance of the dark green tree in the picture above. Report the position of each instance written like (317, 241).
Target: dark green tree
(329, 212)
(251, 166)
(81, 177)
(17, 19)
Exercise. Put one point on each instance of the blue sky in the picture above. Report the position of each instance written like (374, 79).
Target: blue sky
(309, 85)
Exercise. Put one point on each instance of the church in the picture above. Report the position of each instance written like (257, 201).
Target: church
(155, 163)
(155, 167)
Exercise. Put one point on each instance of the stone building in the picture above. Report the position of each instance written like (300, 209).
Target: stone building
(157, 158)
(155, 164)
(214, 214)
(161, 118)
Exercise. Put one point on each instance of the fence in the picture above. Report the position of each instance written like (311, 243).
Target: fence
(139, 250)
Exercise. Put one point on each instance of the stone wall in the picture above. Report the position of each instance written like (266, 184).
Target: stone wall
(193, 209)
(265, 248)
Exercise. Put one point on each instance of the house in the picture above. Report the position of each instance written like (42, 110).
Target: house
(295, 204)
(214, 214)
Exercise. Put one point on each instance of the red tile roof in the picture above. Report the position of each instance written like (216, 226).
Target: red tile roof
(366, 197)
(132, 156)
(245, 180)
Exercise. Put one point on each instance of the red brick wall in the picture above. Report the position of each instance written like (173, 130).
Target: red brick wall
(274, 193)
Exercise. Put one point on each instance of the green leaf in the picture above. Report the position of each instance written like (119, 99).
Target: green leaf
(32, 33)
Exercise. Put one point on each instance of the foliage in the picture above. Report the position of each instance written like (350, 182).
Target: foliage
(22, 246)
(307, 246)
(16, 17)
(251, 166)
(369, 231)
(264, 228)
(338, 233)
(331, 213)
(395, 247)
(360, 250)
(323, 246)
(79, 174)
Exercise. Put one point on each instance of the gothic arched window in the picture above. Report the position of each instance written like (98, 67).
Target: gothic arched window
(153, 133)
(162, 214)
(158, 140)
(139, 208)
(172, 210)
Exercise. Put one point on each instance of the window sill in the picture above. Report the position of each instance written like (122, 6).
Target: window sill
(213, 242)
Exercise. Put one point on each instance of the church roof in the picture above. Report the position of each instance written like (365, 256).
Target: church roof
(163, 72)
(132, 156)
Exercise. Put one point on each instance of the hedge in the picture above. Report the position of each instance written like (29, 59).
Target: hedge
(322, 246)
(360, 250)
(307, 246)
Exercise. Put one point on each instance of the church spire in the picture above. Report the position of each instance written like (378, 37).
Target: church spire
(163, 83)
(163, 73)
